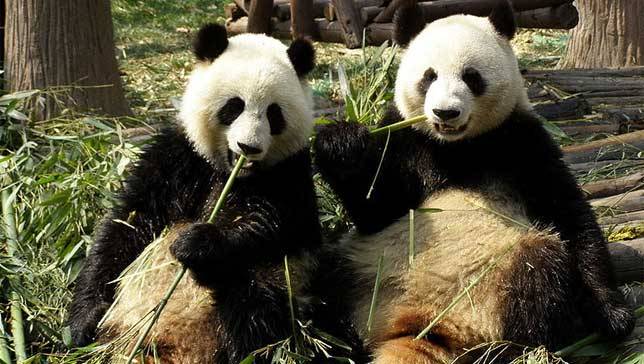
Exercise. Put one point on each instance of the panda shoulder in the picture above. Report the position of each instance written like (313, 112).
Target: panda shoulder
(530, 134)
(168, 152)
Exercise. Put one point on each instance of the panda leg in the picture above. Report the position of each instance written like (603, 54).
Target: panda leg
(540, 298)
(253, 314)
(406, 350)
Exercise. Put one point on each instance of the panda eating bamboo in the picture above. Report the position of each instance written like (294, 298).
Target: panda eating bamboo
(247, 95)
(506, 248)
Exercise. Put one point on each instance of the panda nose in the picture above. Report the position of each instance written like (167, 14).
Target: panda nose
(445, 115)
(248, 150)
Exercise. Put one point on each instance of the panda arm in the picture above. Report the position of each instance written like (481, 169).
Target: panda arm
(554, 197)
(148, 199)
(260, 223)
(348, 159)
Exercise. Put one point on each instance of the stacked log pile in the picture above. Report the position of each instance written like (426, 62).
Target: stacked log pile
(602, 113)
(353, 22)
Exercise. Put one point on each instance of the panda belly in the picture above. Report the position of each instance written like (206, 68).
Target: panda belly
(186, 331)
(453, 248)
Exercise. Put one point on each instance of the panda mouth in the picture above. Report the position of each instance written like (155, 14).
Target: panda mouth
(233, 158)
(449, 130)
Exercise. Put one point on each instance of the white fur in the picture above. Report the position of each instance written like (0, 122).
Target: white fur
(449, 46)
(453, 247)
(257, 69)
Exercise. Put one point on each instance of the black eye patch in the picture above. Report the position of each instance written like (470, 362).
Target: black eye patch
(474, 81)
(428, 77)
(275, 119)
(230, 111)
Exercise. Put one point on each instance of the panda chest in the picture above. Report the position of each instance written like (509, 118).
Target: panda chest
(457, 236)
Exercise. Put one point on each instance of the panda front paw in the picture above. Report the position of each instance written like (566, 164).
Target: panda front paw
(340, 145)
(615, 320)
(83, 325)
(196, 246)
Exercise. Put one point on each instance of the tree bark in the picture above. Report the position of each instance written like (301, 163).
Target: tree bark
(610, 34)
(66, 47)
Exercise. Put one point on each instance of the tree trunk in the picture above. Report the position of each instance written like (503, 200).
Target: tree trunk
(67, 48)
(610, 34)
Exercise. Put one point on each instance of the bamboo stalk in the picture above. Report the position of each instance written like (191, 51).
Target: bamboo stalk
(399, 125)
(17, 328)
(5, 355)
(590, 339)
(159, 308)
(376, 288)
(412, 238)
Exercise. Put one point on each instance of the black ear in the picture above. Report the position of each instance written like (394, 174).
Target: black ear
(502, 18)
(302, 56)
(210, 43)
(409, 20)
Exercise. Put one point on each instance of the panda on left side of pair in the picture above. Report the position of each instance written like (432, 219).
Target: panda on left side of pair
(247, 95)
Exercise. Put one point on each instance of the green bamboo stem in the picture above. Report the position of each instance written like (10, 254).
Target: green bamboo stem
(376, 288)
(17, 328)
(412, 238)
(5, 355)
(289, 288)
(399, 125)
(159, 308)
(590, 339)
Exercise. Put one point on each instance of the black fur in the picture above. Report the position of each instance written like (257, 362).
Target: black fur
(275, 119)
(269, 213)
(519, 154)
(474, 81)
(231, 110)
(409, 20)
(302, 56)
(428, 78)
(502, 18)
(211, 41)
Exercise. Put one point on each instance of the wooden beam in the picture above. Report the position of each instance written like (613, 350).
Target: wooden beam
(628, 260)
(625, 144)
(302, 19)
(564, 16)
(388, 13)
(259, 16)
(350, 21)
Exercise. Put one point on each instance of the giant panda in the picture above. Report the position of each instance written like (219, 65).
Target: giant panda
(497, 211)
(247, 95)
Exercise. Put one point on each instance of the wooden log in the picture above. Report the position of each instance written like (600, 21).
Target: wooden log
(611, 187)
(350, 21)
(564, 16)
(302, 19)
(591, 73)
(621, 218)
(572, 108)
(602, 127)
(369, 13)
(589, 151)
(321, 8)
(624, 202)
(388, 13)
(613, 164)
(628, 260)
(616, 100)
(259, 16)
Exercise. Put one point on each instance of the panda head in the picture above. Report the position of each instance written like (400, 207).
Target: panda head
(459, 71)
(247, 95)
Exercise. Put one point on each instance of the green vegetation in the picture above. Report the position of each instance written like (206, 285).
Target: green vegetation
(59, 176)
